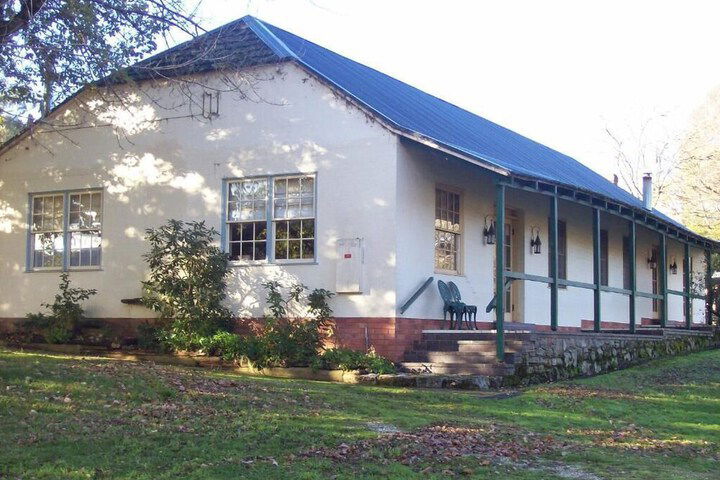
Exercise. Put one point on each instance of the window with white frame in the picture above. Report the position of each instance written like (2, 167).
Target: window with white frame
(447, 230)
(294, 218)
(247, 219)
(84, 225)
(290, 217)
(60, 218)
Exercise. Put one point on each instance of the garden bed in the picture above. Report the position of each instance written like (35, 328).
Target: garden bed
(202, 361)
(406, 380)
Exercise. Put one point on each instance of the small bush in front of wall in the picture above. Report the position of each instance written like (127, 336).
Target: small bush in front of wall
(186, 285)
(346, 359)
(60, 325)
(148, 336)
(294, 342)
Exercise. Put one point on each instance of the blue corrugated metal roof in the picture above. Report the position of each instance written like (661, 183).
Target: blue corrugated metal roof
(418, 112)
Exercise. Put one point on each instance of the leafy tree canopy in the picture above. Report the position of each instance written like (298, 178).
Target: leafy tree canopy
(50, 48)
(697, 181)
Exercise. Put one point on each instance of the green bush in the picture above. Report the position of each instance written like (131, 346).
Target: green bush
(34, 327)
(60, 325)
(229, 346)
(149, 336)
(346, 359)
(293, 342)
(186, 285)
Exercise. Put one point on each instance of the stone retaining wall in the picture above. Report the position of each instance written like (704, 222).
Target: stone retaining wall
(558, 356)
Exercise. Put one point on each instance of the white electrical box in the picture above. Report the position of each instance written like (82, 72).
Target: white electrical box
(349, 265)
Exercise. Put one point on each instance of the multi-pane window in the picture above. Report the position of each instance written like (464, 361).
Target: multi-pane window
(247, 219)
(50, 230)
(286, 205)
(47, 231)
(84, 224)
(447, 230)
(654, 279)
(294, 218)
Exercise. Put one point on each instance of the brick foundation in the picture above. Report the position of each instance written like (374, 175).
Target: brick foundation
(119, 326)
(390, 337)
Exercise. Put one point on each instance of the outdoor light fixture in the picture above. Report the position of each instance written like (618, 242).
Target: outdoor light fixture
(652, 260)
(489, 231)
(535, 242)
(210, 104)
(673, 267)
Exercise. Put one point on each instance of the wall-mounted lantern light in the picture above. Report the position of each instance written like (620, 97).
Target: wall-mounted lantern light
(673, 267)
(489, 230)
(210, 104)
(652, 260)
(535, 242)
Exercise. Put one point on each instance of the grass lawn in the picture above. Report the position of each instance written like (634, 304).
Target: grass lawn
(67, 417)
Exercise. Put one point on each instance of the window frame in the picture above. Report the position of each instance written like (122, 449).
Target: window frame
(655, 279)
(66, 232)
(459, 254)
(627, 281)
(604, 258)
(269, 220)
(562, 252)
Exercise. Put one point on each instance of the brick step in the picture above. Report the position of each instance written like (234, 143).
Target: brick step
(465, 345)
(472, 335)
(495, 369)
(458, 357)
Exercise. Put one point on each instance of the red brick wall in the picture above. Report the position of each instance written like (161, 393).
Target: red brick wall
(390, 337)
(119, 326)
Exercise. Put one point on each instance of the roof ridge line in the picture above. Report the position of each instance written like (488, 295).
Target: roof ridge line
(268, 38)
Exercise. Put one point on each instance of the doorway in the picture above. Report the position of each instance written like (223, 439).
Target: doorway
(512, 264)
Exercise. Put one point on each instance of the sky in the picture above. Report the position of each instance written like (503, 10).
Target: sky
(559, 72)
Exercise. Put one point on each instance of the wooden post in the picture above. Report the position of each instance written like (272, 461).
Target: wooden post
(596, 269)
(500, 269)
(662, 276)
(687, 287)
(553, 273)
(632, 240)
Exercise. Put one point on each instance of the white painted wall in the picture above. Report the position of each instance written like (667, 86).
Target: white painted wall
(153, 171)
(420, 170)
(369, 184)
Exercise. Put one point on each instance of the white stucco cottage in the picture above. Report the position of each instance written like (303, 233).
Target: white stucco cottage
(324, 171)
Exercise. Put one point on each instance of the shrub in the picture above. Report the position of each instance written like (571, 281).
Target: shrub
(186, 284)
(229, 346)
(282, 341)
(34, 327)
(287, 342)
(149, 336)
(346, 359)
(60, 325)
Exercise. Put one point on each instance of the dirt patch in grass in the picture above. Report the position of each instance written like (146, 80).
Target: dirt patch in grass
(582, 392)
(443, 443)
(632, 438)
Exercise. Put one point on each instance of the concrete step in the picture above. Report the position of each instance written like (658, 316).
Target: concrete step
(494, 369)
(471, 335)
(465, 345)
(459, 357)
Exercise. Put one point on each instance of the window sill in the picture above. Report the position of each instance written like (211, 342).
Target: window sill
(449, 273)
(61, 270)
(281, 263)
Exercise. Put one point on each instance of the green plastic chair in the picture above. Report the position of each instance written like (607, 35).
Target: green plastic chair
(450, 306)
(470, 311)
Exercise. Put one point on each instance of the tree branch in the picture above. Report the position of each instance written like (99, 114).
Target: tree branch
(28, 9)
